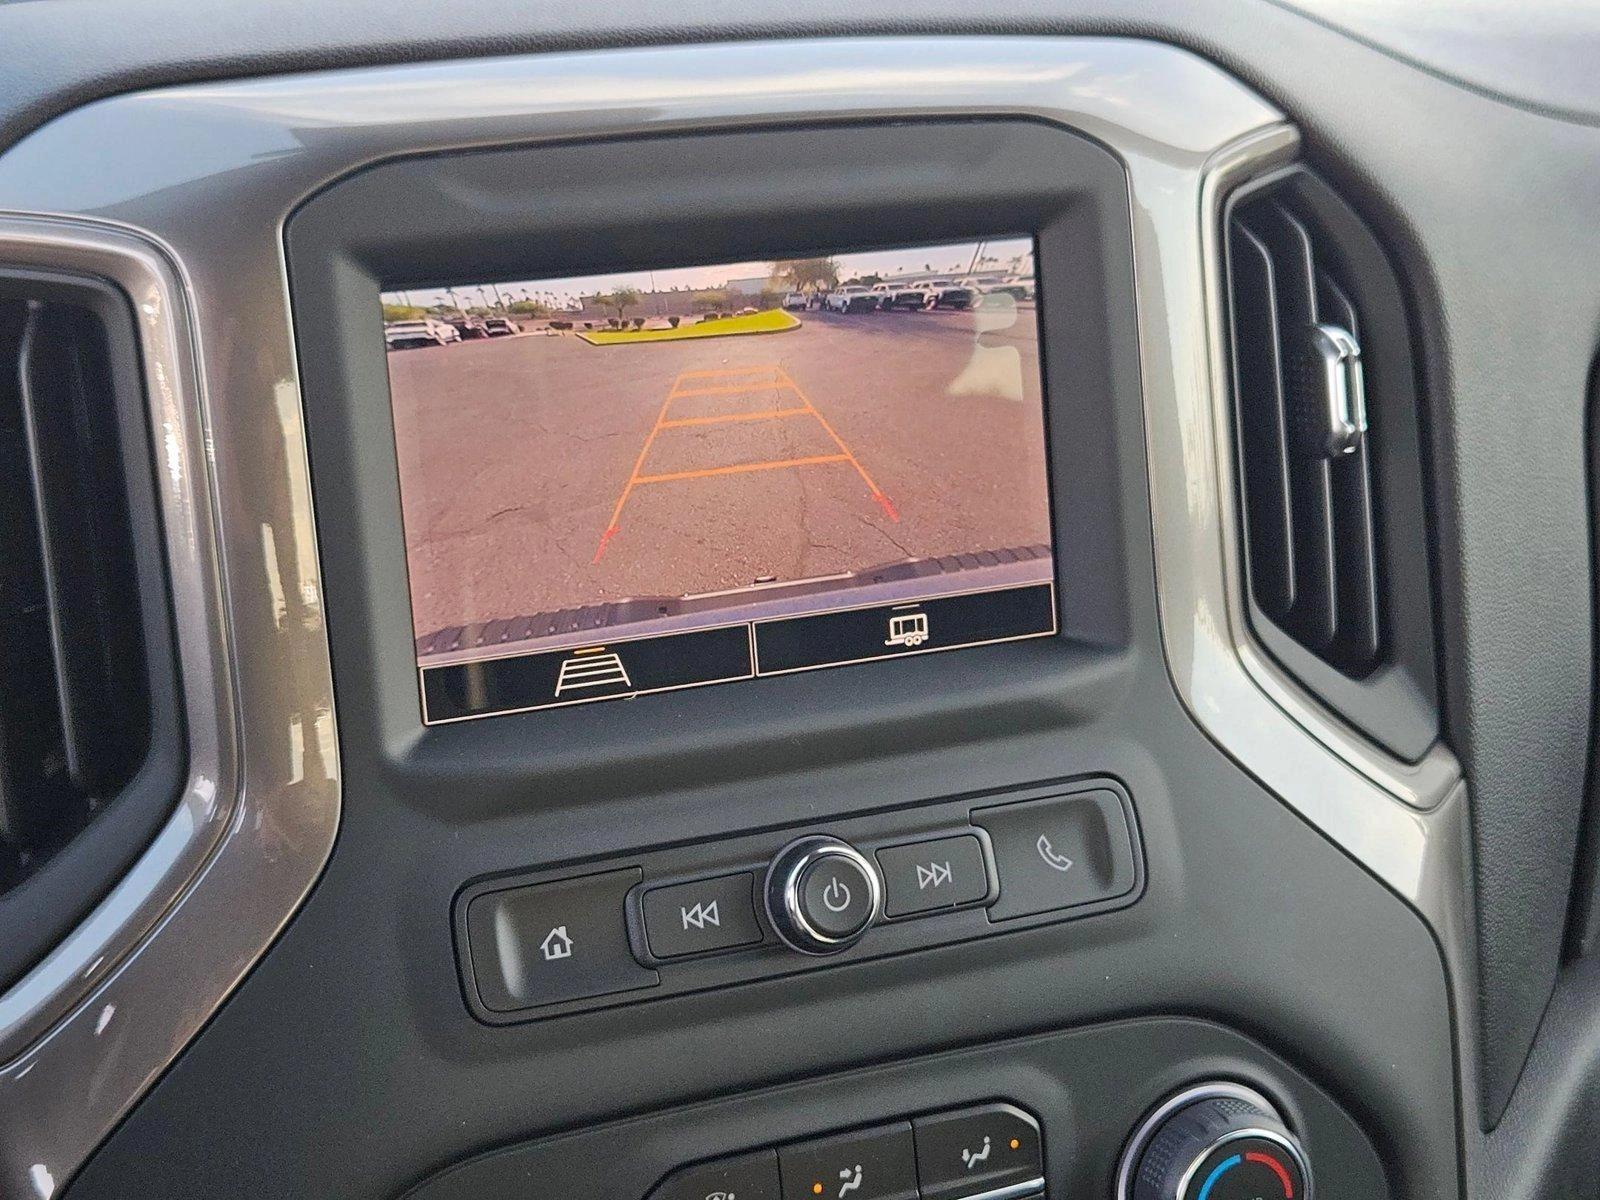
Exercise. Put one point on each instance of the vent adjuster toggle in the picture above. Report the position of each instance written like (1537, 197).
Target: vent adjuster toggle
(1332, 403)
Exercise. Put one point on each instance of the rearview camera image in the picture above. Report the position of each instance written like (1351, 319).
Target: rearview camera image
(653, 480)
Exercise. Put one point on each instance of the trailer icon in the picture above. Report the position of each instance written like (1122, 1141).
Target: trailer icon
(908, 629)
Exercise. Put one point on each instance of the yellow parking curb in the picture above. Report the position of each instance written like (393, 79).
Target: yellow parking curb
(771, 321)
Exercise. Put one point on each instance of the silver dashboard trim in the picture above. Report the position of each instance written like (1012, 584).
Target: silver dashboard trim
(1027, 1189)
(87, 1030)
(211, 172)
(90, 951)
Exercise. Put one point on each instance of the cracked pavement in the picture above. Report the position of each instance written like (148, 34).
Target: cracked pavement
(514, 452)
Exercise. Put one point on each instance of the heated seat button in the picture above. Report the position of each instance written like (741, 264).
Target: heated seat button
(550, 942)
(924, 876)
(977, 1150)
(699, 917)
(1059, 852)
(874, 1164)
(745, 1177)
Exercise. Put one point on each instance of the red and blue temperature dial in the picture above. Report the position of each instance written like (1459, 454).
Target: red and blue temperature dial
(1259, 1172)
(1218, 1141)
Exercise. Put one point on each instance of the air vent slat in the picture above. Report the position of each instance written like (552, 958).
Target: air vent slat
(1314, 614)
(85, 545)
(1269, 534)
(34, 788)
(1310, 525)
(75, 685)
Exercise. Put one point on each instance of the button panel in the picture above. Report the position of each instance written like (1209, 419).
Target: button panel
(989, 1150)
(693, 918)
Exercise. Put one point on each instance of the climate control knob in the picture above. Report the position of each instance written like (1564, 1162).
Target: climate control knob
(1217, 1141)
(822, 895)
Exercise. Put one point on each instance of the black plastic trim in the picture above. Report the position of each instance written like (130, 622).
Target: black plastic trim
(1395, 704)
(636, 203)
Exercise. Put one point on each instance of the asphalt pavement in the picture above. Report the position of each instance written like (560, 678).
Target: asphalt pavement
(543, 473)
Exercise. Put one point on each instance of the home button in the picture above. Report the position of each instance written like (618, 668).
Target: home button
(550, 942)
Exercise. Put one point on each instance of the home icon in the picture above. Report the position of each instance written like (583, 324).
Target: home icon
(556, 944)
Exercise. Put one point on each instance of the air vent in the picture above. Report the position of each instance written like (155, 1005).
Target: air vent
(1325, 409)
(86, 685)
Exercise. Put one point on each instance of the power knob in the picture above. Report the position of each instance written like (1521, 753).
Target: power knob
(1215, 1141)
(822, 895)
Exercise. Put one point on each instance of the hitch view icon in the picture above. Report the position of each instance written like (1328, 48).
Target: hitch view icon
(909, 630)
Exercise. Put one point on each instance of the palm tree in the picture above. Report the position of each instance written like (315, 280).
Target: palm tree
(814, 274)
(622, 299)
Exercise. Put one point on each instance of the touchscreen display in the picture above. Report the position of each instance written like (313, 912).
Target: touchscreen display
(639, 482)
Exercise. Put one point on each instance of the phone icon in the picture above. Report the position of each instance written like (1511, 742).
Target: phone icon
(1059, 862)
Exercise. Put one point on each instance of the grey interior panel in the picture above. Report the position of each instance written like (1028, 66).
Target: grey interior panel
(1381, 928)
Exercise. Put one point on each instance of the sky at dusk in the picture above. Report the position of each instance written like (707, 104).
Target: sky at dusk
(949, 258)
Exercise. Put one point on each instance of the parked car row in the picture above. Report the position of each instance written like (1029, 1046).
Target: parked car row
(914, 296)
(440, 331)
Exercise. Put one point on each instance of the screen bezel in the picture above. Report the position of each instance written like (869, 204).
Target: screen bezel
(826, 601)
(634, 202)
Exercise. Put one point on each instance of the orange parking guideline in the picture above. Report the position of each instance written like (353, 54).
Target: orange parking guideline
(716, 372)
(731, 389)
(633, 479)
(877, 493)
(741, 468)
(780, 380)
(771, 414)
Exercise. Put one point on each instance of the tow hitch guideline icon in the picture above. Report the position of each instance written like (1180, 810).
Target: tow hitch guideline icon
(591, 668)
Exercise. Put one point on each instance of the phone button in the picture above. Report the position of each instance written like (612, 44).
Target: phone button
(746, 1177)
(1059, 852)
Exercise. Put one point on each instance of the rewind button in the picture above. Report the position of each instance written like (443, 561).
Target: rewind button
(701, 917)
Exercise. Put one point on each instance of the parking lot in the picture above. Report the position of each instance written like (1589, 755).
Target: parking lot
(542, 473)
